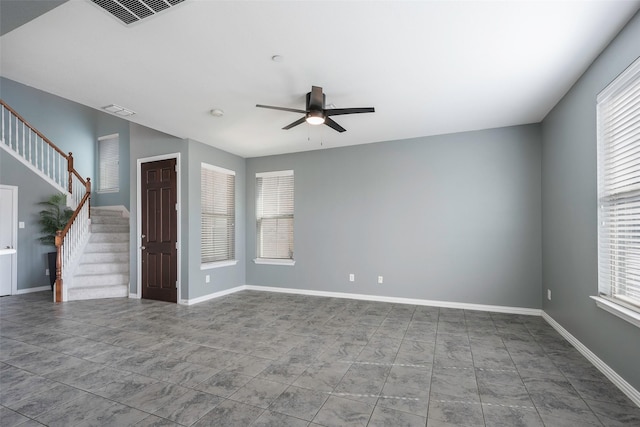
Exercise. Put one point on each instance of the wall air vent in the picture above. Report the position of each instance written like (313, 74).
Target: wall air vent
(130, 11)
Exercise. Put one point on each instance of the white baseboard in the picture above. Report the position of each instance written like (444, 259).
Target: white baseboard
(30, 290)
(606, 370)
(134, 295)
(212, 296)
(399, 300)
(363, 297)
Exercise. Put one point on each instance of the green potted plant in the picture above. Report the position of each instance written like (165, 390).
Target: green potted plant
(53, 217)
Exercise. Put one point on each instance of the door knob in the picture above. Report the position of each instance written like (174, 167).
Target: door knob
(143, 248)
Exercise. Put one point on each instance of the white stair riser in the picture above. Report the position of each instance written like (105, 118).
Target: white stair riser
(109, 228)
(109, 220)
(75, 294)
(103, 268)
(108, 237)
(105, 212)
(104, 257)
(93, 280)
(107, 247)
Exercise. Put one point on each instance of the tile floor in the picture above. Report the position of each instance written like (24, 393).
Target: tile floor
(268, 359)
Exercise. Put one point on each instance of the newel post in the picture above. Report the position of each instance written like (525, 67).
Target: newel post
(88, 190)
(70, 170)
(58, 241)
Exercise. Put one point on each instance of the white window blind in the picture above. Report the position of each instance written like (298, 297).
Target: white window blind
(618, 109)
(218, 214)
(274, 211)
(109, 159)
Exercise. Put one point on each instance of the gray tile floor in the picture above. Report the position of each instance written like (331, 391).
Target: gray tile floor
(268, 359)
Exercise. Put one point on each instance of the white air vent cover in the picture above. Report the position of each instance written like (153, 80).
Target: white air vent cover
(130, 11)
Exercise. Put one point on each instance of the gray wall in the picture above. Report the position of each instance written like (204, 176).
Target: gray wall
(451, 218)
(223, 277)
(569, 188)
(31, 257)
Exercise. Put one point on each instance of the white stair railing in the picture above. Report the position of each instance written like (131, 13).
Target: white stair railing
(69, 242)
(36, 151)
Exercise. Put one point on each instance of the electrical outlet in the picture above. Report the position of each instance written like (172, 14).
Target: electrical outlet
(352, 277)
(380, 279)
(207, 278)
(46, 272)
(549, 294)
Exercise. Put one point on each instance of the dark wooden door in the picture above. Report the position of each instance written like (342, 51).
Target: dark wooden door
(159, 230)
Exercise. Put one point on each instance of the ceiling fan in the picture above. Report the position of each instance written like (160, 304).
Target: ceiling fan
(316, 114)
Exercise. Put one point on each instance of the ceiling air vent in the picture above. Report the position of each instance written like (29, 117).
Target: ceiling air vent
(130, 11)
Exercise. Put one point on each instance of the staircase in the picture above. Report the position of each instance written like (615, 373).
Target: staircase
(34, 150)
(103, 267)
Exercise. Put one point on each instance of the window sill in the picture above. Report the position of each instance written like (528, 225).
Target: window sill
(218, 264)
(111, 190)
(275, 261)
(624, 313)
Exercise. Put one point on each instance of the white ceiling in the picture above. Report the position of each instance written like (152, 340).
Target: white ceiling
(428, 67)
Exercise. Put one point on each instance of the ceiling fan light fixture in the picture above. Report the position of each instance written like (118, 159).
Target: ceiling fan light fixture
(315, 118)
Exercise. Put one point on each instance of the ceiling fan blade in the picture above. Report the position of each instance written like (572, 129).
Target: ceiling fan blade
(333, 125)
(341, 111)
(316, 98)
(296, 123)
(292, 110)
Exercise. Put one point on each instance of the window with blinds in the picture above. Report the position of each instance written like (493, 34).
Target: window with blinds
(109, 163)
(618, 109)
(218, 214)
(274, 211)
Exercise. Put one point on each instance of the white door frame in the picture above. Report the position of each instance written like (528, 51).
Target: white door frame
(14, 237)
(138, 293)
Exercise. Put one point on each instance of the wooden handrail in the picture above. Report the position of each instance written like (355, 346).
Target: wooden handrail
(73, 217)
(36, 131)
(81, 179)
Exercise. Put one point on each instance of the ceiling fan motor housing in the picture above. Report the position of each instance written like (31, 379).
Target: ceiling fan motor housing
(316, 104)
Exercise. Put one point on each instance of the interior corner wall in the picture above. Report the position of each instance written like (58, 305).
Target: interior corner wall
(569, 213)
(144, 143)
(221, 278)
(452, 218)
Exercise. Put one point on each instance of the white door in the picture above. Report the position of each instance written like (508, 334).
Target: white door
(8, 239)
